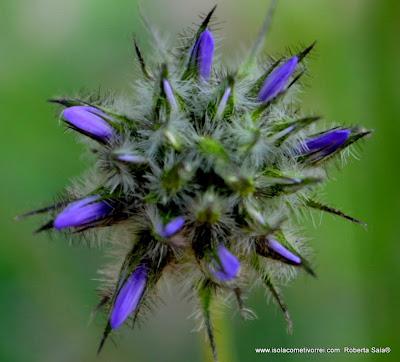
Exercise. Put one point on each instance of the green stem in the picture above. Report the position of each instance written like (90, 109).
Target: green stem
(223, 340)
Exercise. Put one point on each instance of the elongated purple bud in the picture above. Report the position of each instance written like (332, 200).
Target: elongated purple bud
(227, 266)
(131, 158)
(282, 252)
(169, 93)
(82, 212)
(129, 297)
(277, 81)
(89, 121)
(327, 142)
(172, 228)
(223, 102)
(204, 53)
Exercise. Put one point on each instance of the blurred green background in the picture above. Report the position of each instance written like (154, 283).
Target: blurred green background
(47, 290)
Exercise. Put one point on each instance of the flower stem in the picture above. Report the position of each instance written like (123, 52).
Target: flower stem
(223, 338)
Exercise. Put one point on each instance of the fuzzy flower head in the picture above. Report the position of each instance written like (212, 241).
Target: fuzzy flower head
(202, 177)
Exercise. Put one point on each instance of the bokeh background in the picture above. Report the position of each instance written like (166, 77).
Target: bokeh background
(54, 47)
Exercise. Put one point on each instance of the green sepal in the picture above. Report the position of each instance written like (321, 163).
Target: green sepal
(209, 212)
(243, 185)
(142, 62)
(43, 210)
(212, 148)
(270, 285)
(176, 177)
(275, 183)
(283, 130)
(246, 148)
(304, 53)
(173, 139)
(314, 204)
(159, 100)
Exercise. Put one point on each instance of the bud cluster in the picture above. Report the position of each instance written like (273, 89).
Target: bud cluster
(201, 179)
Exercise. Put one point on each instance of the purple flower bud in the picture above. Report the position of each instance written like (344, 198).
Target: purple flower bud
(284, 253)
(204, 53)
(227, 266)
(173, 227)
(327, 142)
(277, 80)
(131, 158)
(223, 102)
(129, 296)
(89, 121)
(82, 212)
(169, 94)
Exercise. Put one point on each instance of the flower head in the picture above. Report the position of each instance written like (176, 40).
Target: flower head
(89, 121)
(129, 296)
(226, 266)
(276, 82)
(82, 212)
(205, 152)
